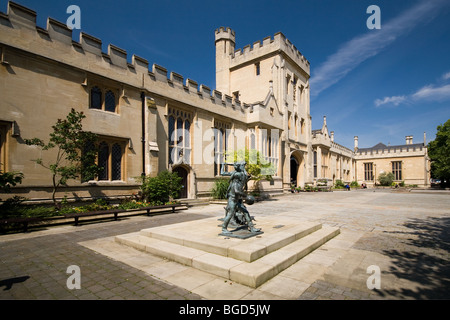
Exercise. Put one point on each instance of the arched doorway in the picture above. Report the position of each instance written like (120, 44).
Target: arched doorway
(297, 168)
(183, 173)
(294, 171)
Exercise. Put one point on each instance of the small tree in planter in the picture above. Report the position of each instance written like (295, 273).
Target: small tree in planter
(386, 178)
(71, 161)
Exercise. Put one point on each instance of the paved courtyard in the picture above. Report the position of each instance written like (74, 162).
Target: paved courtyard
(403, 234)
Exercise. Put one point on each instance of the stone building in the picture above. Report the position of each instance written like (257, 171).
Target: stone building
(149, 120)
(408, 162)
(331, 161)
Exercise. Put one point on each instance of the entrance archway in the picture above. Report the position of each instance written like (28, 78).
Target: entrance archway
(183, 173)
(296, 169)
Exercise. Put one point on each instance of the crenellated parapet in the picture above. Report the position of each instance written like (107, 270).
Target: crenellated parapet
(270, 45)
(407, 150)
(18, 31)
(340, 149)
(224, 33)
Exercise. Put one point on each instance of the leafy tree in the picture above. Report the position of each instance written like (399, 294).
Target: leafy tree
(10, 206)
(162, 188)
(9, 179)
(256, 166)
(439, 153)
(69, 140)
(386, 178)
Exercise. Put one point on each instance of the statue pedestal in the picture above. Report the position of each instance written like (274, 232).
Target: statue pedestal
(243, 257)
(238, 231)
(241, 233)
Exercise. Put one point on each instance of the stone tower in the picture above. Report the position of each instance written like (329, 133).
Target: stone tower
(225, 43)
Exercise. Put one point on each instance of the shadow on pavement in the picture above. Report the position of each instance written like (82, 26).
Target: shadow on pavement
(8, 283)
(427, 260)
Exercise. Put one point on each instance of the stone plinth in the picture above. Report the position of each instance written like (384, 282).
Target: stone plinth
(250, 262)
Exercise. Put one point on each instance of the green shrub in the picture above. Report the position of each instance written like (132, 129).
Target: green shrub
(219, 190)
(354, 184)
(162, 188)
(98, 205)
(14, 207)
(132, 204)
(386, 178)
(339, 184)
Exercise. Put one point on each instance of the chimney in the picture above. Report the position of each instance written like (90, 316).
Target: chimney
(424, 138)
(409, 139)
(356, 142)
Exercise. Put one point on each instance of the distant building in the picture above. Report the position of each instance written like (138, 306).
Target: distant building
(149, 121)
(331, 160)
(408, 162)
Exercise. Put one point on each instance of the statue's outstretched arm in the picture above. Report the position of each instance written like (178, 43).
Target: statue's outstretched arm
(223, 172)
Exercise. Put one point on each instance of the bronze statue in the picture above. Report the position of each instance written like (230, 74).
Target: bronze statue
(236, 193)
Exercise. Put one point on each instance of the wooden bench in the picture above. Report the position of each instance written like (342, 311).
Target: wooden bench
(173, 206)
(78, 215)
(115, 212)
(24, 221)
(322, 187)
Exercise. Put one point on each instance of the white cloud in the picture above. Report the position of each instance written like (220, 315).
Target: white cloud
(426, 93)
(433, 93)
(360, 48)
(395, 100)
(446, 76)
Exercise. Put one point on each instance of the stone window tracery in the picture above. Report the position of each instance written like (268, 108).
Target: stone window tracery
(179, 131)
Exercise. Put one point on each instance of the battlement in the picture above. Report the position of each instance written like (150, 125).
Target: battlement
(417, 149)
(336, 147)
(18, 31)
(269, 45)
(225, 33)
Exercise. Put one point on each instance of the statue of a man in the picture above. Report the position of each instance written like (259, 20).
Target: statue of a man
(236, 193)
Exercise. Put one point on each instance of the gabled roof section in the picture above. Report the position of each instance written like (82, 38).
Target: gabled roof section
(379, 146)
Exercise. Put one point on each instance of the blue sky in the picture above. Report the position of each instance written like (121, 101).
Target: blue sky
(380, 85)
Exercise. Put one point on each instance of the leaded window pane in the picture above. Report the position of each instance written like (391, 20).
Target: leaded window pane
(187, 138)
(116, 162)
(103, 161)
(179, 132)
(171, 129)
(96, 98)
(110, 101)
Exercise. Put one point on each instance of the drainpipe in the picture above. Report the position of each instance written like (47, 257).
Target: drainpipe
(143, 132)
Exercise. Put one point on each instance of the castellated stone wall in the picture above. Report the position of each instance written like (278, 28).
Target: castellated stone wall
(132, 104)
(45, 73)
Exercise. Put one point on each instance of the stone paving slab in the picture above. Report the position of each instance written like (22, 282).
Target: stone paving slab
(405, 234)
(283, 246)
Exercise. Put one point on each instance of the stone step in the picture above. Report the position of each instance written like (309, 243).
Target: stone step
(195, 202)
(249, 250)
(256, 273)
(252, 274)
